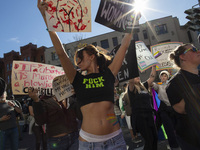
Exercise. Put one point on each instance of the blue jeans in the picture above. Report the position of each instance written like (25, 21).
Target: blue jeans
(116, 143)
(12, 135)
(67, 142)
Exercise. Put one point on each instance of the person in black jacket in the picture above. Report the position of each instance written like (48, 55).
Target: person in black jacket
(61, 121)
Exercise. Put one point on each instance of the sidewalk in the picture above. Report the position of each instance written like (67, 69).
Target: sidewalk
(28, 142)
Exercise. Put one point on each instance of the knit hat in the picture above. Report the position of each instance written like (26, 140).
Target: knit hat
(164, 72)
(2, 86)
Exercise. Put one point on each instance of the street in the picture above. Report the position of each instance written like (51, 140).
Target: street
(28, 142)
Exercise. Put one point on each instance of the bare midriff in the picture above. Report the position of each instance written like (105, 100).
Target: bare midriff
(99, 118)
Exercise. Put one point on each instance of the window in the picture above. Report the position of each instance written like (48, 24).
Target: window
(42, 58)
(105, 44)
(69, 53)
(8, 79)
(54, 56)
(94, 43)
(7, 67)
(161, 29)
(135, 37)
(145, 34)
(10, 66)
(115, 41)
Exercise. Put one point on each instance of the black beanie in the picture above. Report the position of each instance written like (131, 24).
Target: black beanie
(2, 86)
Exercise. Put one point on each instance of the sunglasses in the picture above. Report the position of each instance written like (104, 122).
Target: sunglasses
(194, 49)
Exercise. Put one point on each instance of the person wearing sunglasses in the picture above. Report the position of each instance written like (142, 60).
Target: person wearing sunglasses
(183, 91)
(94, 91)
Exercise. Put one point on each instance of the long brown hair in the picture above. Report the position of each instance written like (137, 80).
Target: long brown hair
(103, 60)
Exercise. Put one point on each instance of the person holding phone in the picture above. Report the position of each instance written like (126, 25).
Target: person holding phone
(8, 124)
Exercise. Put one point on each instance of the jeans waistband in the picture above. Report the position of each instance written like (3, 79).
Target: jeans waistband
(69, 135)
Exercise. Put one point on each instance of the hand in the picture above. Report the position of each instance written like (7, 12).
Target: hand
(33, 93)
(42, 6)
(11, 104)
(5, 117)
(122, 116)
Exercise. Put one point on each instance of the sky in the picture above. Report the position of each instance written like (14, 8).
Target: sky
(21, 22)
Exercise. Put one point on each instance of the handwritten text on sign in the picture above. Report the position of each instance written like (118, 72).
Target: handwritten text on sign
(69, 15)
(31, 74)
(62, 87)
(145, 58)
(118, 15)
(164, 49)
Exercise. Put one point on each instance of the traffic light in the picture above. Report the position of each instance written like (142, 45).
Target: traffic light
(194, 17)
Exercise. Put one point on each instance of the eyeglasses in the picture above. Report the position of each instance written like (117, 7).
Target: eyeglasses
(194, 49)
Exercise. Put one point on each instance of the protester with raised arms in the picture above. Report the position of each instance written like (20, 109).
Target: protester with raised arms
(94, 91)
(142, 110)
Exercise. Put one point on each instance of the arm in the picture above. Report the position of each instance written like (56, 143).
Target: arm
(119, 57)
(64, 59)
(131, 85)
(17, 109)
(30, 108)
(180, 107)
(152, 76)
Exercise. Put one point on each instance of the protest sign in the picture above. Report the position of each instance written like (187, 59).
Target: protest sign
(69, 16)
(62, 87)
(27, 74)
(145, 58)
(164, 49)
(118, 15)
(129, 67)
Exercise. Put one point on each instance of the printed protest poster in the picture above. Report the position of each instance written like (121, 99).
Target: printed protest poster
(118, 15)
(69, 16)
(129, 68)
(161, 52)
(144, 56)
(62, 87)
(27, 74)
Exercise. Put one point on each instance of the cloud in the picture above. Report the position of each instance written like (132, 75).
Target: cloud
(16, 40)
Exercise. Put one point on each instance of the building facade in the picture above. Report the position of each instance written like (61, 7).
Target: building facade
(29, 52)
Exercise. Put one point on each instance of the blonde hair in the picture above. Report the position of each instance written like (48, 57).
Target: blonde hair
(139, 87)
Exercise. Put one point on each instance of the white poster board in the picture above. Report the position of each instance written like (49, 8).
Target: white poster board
(145, 58)
(62, 87)
(69, 15)
(163, 50)
(27, 74)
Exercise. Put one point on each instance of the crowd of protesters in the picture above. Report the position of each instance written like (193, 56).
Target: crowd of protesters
(93, 117)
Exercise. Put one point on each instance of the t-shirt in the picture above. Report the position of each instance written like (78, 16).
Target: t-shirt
(94, 87)
(140, 102)
(4, 110)
(162, 95)
(186, 85)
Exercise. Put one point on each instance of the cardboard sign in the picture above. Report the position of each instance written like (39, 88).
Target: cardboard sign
(129, 67)
(62, 87)
(27, 74)
(164, 49)
(118, 15)
(69, 16)
(144, 56)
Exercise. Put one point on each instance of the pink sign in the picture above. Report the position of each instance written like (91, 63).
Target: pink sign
(31, 74)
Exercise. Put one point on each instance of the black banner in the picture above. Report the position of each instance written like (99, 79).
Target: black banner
(117, 15)
(129, 68)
